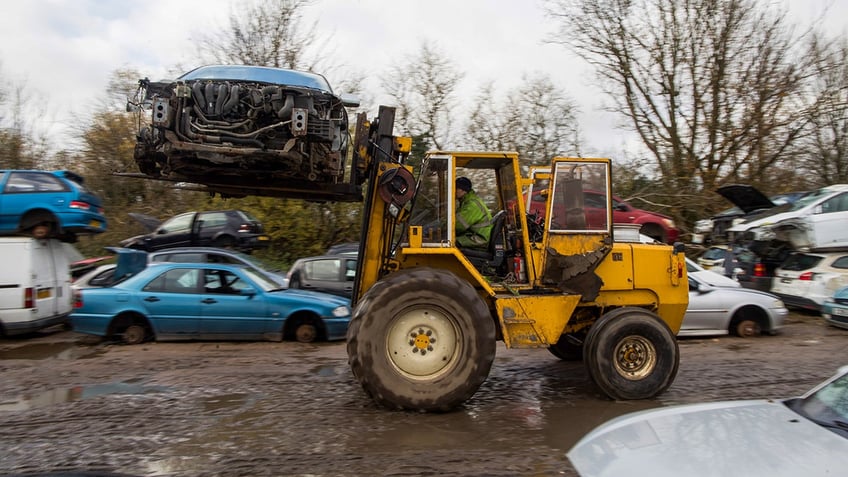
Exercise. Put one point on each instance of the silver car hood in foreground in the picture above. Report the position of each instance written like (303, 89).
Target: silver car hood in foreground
(740, 438)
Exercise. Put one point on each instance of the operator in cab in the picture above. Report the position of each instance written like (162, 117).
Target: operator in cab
(473, 218)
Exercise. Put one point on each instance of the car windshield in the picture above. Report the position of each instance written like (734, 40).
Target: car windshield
(261, 280)
(828, 406)
(260, 74)
(811, 198)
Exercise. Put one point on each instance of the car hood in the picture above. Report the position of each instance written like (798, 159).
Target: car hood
(326, 298)
(746, 197)
(765, 221)
(750, 438)
(714, 279)
(147, 221)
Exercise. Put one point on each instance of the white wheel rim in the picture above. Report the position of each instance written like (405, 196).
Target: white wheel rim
(422, 343)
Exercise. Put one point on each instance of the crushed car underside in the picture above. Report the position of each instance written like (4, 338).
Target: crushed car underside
(242, 137)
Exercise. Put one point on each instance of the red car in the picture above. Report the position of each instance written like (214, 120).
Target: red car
(654, 225)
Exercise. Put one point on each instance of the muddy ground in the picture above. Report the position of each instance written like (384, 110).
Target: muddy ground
(257, 409)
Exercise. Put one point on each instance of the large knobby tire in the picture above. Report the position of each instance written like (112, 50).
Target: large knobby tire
(421, 339)
(630, 353)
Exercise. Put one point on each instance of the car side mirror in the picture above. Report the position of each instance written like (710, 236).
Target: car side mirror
(248, 291)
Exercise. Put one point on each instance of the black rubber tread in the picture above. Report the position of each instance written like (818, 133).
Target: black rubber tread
(599, 350)
(407, 290)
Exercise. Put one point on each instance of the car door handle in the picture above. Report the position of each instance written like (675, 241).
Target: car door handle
(151, 299)
(209, 300)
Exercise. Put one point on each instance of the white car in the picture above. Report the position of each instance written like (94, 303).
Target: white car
(806, 280)
(806, 436)
(814, 222)
(719, 306)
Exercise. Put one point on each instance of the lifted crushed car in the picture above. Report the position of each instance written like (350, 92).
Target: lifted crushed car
(245, 130)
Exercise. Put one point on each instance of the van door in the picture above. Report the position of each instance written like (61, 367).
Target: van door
(51, 278)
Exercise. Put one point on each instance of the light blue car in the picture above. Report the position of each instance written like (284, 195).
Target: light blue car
(48, 204)
(204, 301)
(835, 309)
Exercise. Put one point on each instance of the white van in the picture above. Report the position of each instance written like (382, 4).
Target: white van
(35, 284)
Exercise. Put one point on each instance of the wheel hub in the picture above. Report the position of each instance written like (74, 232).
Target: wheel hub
(635, 357)
(422, 343)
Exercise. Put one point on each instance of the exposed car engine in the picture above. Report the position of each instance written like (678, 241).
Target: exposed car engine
(229, 127)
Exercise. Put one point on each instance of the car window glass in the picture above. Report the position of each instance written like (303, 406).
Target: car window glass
(180, 223)
(841, 262)
(323, 269)
(213, 219)
(835, 204)
(800, 261)
(34, 182)
(179, 257)
(178, 280)
(103, 278)
(350, 269)
(597, 201)
(222, 281)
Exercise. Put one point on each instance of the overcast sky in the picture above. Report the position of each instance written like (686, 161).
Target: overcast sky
(66, 50)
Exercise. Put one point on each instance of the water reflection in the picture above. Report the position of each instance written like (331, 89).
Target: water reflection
(76, 393)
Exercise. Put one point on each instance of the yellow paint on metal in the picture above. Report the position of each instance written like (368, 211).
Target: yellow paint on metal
(534, 321)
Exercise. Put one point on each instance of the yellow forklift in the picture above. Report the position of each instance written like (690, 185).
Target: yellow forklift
(428, 314)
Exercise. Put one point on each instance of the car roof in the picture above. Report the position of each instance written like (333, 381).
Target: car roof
(263, 74)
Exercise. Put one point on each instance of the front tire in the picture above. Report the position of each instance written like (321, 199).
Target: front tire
(630, 353)
(421, 339)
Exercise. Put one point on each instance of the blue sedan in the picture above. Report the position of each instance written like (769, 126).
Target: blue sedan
(207, 301)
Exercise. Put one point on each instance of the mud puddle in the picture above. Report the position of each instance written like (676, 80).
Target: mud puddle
(64, 351)
(75, 393)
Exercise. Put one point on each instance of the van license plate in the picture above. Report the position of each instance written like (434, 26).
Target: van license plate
(44, 293)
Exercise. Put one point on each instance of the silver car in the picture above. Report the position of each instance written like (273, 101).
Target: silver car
(717, 307)
(806, 436)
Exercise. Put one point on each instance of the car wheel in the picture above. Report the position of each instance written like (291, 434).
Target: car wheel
(306, 332)
(630, 353)
(134, 334)
(747, 328)
(421, 339)
(224, 242)
(568, 348)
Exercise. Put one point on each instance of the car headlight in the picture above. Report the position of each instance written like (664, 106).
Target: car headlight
(779, 304)
(668, 223)
(341, 311)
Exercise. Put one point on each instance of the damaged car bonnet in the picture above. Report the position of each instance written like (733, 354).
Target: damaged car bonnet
(244, 130)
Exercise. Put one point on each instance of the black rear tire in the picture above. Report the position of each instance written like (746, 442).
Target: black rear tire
(421, 339)
(630, 353)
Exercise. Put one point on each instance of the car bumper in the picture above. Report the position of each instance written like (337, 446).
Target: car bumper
(798, 301)
(23, 327)
(254, 241)
(82, 222)
(336, 327)
(836, 315)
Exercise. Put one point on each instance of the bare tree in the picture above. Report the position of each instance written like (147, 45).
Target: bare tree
(424, 92)
(535, 119)
(825, 151)
(262, 32)
(712, 87)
